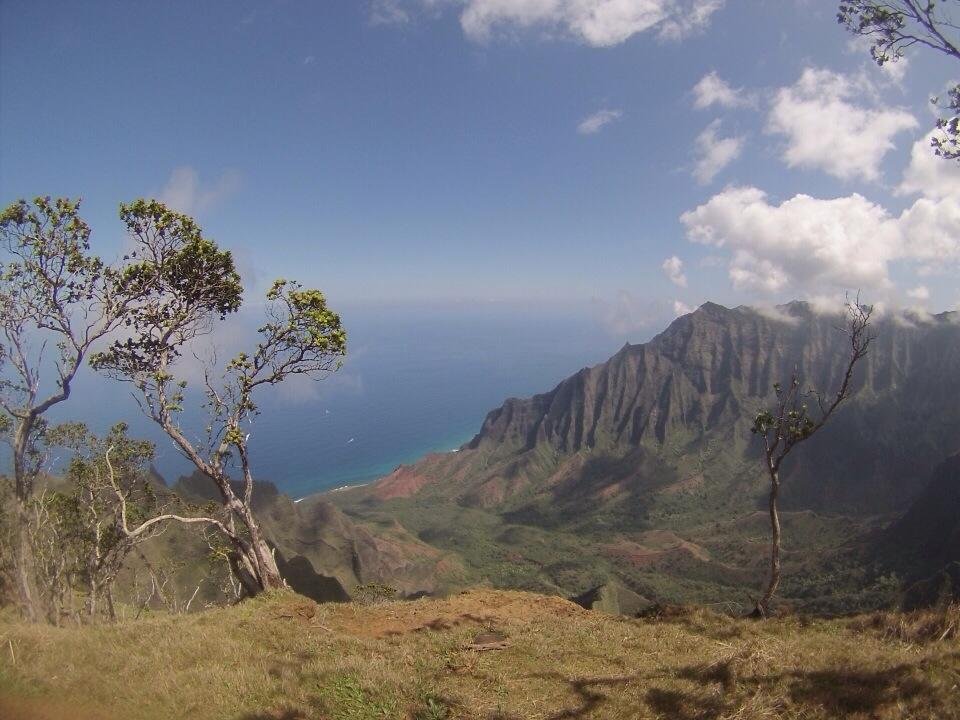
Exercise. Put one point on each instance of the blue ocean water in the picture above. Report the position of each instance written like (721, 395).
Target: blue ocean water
(418, 379)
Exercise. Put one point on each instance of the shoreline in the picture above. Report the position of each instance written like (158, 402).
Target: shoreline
(373, 478)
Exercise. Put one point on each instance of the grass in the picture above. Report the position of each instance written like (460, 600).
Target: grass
(281, 657)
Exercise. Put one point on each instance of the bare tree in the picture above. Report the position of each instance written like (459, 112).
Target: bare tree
(84, 530)
(192, 282)
(894, 26)
(54, 295)
(792, 421)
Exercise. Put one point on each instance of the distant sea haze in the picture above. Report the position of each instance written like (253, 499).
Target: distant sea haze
(416, 381)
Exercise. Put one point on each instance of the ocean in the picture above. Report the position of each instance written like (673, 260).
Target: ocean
(417, 379)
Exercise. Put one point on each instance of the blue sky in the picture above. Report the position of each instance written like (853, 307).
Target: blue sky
(522, 151)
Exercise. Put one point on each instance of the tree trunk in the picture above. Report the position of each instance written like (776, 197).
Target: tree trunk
(253, 562)
(762, 609)
(24, 563)
(110, 606)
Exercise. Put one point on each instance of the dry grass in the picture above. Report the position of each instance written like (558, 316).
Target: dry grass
(920, 626)
(283, 658)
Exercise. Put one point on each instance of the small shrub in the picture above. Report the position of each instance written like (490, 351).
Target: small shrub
(374, 593)
(433, 708)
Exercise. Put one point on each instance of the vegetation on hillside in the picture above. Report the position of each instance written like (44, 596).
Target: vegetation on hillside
(281, 657)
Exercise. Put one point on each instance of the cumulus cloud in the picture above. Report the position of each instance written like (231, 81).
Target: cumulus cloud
(714, 90)
(673, 269)
(920, 293)
(803, 242)
(600, 23)
(594, 123)
(931, 230)
(930, 175)
(827, 126)
(184, 191)
(816, 245)
(715, 153)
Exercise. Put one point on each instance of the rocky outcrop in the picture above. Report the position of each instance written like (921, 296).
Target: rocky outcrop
(327, 552)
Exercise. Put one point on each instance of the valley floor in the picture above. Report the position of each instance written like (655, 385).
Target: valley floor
(282, 657)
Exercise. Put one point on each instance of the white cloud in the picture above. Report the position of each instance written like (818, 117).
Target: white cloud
(825, 129)
(715, 153)
(184, 191)
(803, 243)
(594, 123)
(600, 23)
(896, 70)
(775, 313)
(673, 268)
(714, 90)
(930, 175)
(681, 308)
(931, 230)
(816, 245)
(695, 20)
(919, 293)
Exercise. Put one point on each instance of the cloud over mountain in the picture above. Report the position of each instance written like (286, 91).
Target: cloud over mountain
(810, 245)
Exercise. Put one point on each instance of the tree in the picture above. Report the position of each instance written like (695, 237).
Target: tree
(81, 530)
(53, 292)
(893, 26)
(188, 282)
(792, 422)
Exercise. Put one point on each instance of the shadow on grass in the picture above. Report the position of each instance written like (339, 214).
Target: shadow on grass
(678, 705)
(834, 693)
(587, 690)
(439, 624)
(283, 714)
(723, 689)
(845, 693)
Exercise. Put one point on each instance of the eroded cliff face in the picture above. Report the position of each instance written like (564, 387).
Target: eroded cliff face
(643, 470)
(707, 371)
(698, 384)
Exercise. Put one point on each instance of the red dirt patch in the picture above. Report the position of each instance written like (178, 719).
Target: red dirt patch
(401, 483)
(651, 547)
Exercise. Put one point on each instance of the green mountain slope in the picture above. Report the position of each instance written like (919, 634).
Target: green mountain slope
(643, 468)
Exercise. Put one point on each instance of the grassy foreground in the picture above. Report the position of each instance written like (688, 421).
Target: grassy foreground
(282, 657)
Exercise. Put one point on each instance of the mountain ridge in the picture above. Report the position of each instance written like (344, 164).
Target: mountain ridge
(658, 438)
